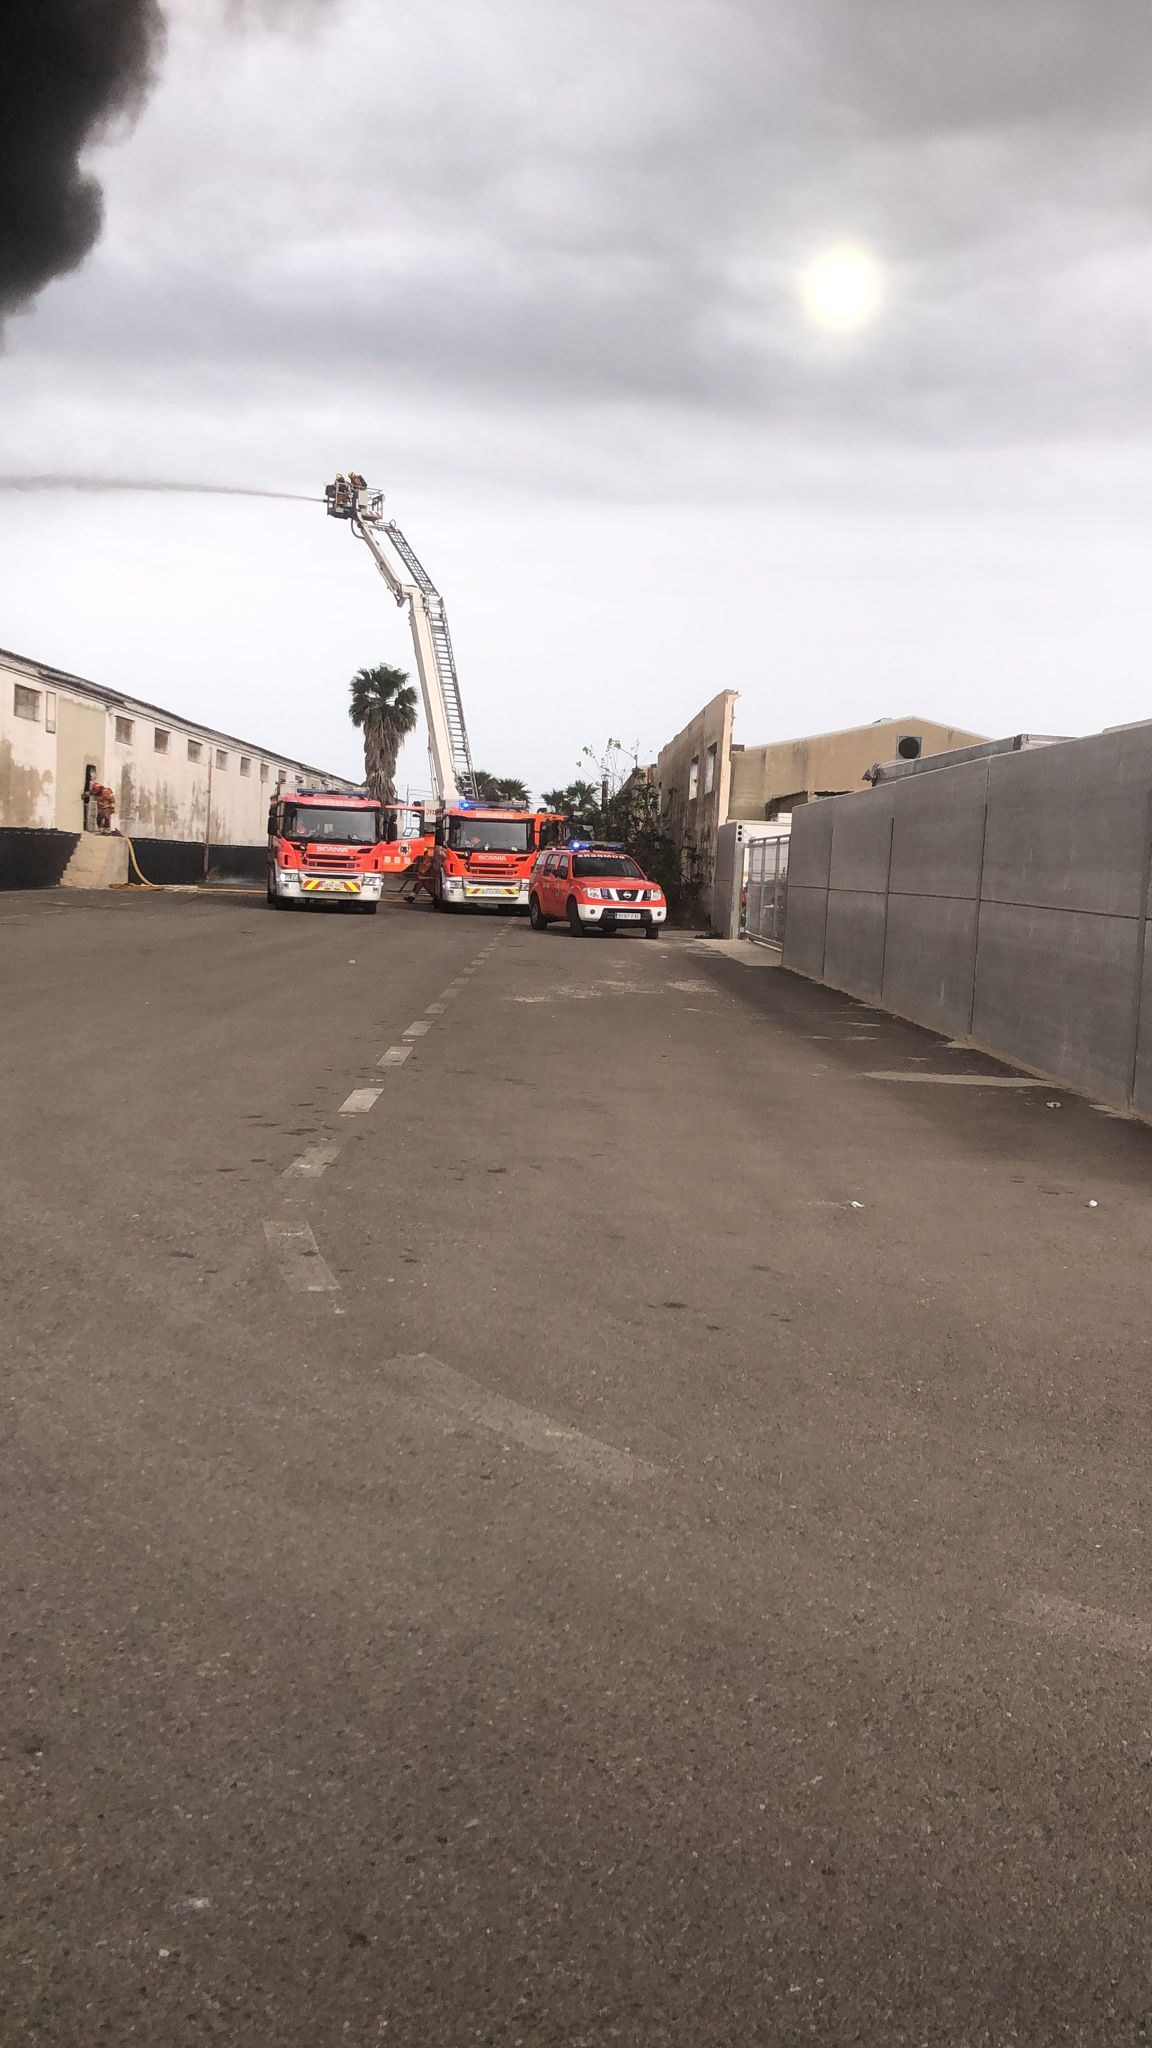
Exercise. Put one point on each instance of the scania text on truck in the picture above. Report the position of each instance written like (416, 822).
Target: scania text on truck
(324, 843)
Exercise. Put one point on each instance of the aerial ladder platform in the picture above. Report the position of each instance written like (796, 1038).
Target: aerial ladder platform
(449, 753)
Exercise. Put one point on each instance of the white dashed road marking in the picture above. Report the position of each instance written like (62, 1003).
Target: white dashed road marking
(315, 1161)
(455, 1394)
(298, 1256)
(360, 1101)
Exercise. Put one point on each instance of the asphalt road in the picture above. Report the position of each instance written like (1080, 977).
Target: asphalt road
(637, 1533)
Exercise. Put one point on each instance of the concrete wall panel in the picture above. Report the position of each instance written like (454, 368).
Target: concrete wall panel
(854, 943)
(939, 832)
(861, 833)
(804, 929)
(1056, 989)
(928, 959)
(1047, 925)
(1142, 1087)
(1068, 824)
(811, 848)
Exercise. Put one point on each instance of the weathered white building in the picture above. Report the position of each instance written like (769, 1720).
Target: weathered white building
(187, 795)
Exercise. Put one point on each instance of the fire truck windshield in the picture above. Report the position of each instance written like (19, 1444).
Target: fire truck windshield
(469, 834)
(349, 828)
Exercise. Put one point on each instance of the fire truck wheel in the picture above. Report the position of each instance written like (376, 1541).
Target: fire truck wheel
(653, 931)
(574, 922)
(367, 909)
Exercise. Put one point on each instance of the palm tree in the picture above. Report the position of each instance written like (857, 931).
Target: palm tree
(384, 707)
(501, 789)
(580, 802)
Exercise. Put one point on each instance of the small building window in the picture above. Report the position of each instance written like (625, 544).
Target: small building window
(282, 778)
(710, 771)
(245, 764)
(221, 758)
(50, 711)
(26, 702)
(694, 778)
(195, 750)
(263, 771)
(124, 732)
(160, 739)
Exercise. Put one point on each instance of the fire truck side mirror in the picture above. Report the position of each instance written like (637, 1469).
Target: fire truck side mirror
(439, 832)
(271, 821)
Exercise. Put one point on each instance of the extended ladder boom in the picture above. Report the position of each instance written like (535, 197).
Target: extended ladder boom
(450, 755)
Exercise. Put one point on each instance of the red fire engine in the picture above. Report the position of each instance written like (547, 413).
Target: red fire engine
(484, 855)
(325, 843)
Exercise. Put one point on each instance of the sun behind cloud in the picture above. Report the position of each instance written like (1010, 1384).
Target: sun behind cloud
(841, 288)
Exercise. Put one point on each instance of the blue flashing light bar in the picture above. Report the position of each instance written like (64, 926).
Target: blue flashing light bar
(479, 803)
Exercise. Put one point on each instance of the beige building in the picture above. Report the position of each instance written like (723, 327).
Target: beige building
(693, 774)
(705, 778)
(184, 792)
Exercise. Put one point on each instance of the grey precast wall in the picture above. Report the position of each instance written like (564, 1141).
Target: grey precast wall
(1003, 901)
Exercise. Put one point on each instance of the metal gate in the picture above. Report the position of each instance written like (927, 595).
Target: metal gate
(764, 896)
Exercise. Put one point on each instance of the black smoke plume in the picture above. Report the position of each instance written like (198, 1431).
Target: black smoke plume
(69, 71)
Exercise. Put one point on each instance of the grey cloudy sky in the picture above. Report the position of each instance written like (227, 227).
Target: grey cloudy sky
(533, 268)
